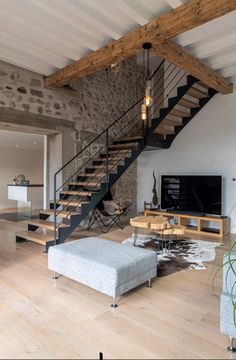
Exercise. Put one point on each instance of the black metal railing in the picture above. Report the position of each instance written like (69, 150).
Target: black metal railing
(81, 168)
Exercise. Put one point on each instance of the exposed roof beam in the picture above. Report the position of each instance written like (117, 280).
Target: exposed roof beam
(184, 60)
(131, 11)
(185, 17)
(174, 3)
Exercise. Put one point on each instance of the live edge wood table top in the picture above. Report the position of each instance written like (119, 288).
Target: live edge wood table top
(158, 224)
(150, 222)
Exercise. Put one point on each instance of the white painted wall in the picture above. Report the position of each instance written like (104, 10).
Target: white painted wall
(207, 145)
(15, 161)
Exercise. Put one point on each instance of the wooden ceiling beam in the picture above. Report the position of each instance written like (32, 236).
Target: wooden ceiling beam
(177, 55)
(183, 18)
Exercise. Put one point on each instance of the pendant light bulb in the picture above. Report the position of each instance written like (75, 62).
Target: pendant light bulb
(148, 98)
(143, 112)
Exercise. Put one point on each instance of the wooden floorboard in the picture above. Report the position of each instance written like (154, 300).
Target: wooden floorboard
(40, 318)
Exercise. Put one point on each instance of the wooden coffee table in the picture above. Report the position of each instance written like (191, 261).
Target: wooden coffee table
(159, 224)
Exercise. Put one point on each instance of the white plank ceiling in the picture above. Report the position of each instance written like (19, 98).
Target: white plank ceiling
(45, 35)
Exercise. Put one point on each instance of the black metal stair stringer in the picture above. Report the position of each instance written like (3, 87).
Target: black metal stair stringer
(63, 233)
(193, 112)
(153, 140)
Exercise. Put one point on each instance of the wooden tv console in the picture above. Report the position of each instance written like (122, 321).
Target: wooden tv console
(201, 225)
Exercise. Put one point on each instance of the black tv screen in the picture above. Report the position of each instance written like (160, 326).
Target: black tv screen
(191, 193)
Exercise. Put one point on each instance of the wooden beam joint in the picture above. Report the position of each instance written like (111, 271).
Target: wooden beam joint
(158, 31)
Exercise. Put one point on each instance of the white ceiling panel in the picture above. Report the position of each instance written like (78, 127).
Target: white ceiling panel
(214, 43)
(45, 35)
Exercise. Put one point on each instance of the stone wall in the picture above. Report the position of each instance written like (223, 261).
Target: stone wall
(94, 103)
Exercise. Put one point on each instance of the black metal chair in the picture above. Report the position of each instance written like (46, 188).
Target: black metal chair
(106, 214)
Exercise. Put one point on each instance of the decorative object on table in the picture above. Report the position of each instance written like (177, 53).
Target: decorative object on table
(25, 182)
(228, 297)
(154, 191)
(17, 180)
(182, 255)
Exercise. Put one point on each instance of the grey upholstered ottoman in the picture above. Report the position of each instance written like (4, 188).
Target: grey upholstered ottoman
(227, 326)
(228, 297)
(104, 265)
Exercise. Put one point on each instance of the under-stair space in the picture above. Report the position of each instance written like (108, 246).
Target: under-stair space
(177, 98)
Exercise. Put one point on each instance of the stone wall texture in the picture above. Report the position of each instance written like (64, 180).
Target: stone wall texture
(93, 104)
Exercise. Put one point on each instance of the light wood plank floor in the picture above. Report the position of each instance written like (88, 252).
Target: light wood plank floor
(177, 319)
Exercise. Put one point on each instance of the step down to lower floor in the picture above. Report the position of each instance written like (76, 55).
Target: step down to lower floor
(33, 236)
(49, 225)
(69, 202)
(62, 214)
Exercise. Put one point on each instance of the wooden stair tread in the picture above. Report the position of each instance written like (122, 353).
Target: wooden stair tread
(164, 130)
(38, 238)
(45, 224)
(91, 175)
(76, 192)
(71, 203)
(188, 104)
(121, 151)
(131, 138)
(84, 183)
(172, 122)
(203, 85)
(196, 93)
(110, 158)
(63, 214)
(122, 146)
(180, 113)
(103, 166)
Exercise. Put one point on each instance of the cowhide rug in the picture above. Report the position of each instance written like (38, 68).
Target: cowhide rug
(178, 256)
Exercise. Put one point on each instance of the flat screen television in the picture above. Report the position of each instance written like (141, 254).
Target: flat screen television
(191, 193)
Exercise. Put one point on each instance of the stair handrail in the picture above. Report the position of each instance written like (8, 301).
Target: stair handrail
(105, 132)
(108, 127)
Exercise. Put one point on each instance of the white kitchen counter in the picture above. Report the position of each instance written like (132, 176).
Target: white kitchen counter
(29, 197)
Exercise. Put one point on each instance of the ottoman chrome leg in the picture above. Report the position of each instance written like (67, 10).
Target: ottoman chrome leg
(56, 275)
(149, 283)
(231, 347)
(135, 235)
(114, 305)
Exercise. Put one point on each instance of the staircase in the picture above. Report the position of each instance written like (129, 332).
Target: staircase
(177, 98)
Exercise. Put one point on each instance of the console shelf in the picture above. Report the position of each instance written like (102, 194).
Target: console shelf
(202, 225)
